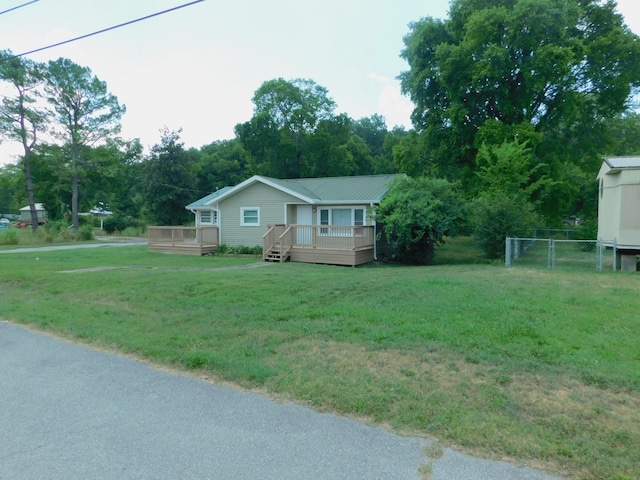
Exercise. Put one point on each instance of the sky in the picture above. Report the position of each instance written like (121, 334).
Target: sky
(196, 68)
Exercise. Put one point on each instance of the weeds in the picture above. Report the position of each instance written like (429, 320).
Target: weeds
(522, 364)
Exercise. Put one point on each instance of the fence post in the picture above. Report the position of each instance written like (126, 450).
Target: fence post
(599, 255)
(615, 254)
(507, 252)
(551, 261)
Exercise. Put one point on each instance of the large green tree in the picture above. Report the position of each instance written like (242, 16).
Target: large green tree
(169, 181)
(561, 67)
(86, 114)
(220, 164)
(22, 118)
(285, 114)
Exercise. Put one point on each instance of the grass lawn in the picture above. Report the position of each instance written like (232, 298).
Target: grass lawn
(535, 366)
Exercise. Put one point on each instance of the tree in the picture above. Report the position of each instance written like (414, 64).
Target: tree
(21, 117)
(86, 114)
(10, 184)
(285, 114)
(326, 150)
(373, 130)
(169, 178)
(220, 164)
(559, 67)
(623, 133)
(501, 215)
(417, 214)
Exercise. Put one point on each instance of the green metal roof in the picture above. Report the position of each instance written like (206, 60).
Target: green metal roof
(360, 189)
(204, 200)
(363, 189)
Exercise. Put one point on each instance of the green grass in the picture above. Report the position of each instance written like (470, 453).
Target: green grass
(541, 367)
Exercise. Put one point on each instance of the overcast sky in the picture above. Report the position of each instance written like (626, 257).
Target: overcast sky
(197, 68)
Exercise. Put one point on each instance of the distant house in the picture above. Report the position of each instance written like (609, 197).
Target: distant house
(25, 213)
(315, 220)
(619, 206)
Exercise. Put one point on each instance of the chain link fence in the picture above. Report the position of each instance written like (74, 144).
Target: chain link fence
(594, 255)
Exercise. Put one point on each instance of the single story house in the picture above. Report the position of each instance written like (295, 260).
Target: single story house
(314, 220)
(25, 213)
(619, 206)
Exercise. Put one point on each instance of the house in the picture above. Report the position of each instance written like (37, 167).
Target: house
(314, 220)
(619, 207)
(25, 214)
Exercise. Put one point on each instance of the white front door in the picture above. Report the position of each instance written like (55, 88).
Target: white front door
(304, 217)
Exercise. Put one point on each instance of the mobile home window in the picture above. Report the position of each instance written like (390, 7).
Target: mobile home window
(250, 216)
(358, 217)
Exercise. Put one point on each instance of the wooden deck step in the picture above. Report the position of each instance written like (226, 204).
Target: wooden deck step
(276, 256)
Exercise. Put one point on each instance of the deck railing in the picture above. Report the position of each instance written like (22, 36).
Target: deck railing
(321, 236)
(183, 235)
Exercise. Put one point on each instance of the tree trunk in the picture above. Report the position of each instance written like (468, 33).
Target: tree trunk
(29, 182)
(74, 201)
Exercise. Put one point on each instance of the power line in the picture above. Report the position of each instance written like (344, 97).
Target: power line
(108, 29)
(19, 6)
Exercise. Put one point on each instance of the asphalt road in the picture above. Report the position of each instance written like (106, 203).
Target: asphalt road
(71, 412)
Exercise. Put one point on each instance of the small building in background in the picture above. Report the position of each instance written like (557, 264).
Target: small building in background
(619, 207)
(25, 214)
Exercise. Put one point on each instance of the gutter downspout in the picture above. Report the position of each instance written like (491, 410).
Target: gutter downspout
(375, 236)
(219, 222)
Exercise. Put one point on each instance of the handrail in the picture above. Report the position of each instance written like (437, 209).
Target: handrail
(178, 235)
(326, 236)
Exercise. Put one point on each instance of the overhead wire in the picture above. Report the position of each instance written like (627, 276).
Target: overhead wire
(18, 6)
(146, 17)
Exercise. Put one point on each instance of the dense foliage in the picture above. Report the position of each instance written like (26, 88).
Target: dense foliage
(417, 214)
(516, 101)
(548, 71)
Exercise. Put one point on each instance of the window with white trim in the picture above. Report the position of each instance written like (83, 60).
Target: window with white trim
(208, 217)
(250, 216)
(340, 217)
(358, 217)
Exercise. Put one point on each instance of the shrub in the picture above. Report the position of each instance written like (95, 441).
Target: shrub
(240, 250)
(119, 223)
(114, 223)
(55, 229)
(417, 215)
(499, 216)
(9, 237)
(85, 232)
(587, 230)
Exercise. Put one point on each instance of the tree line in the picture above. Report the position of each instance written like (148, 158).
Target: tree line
(516, 103)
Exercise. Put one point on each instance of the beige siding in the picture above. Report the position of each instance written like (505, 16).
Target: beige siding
(271, 203)
(608, 207)
(332, 257)
(619, 206)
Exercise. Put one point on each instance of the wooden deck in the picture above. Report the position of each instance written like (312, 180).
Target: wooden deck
(334, 245)
(183, 240)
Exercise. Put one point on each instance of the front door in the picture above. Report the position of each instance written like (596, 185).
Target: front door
(304, 217)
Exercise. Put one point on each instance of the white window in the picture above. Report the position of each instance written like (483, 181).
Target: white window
(341, 217)
(358, 217)
(250, 216)
(324, 220)
(208, 217)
